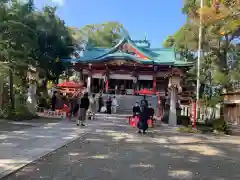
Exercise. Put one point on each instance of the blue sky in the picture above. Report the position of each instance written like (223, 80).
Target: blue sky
(157, 18)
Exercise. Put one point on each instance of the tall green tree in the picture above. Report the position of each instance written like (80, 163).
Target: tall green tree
(16, 38)
(30, 37)
(220, 53)
(100, 35)
(54, 42)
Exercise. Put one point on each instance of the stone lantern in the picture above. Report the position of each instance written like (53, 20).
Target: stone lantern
(32, 76)
(174, 87)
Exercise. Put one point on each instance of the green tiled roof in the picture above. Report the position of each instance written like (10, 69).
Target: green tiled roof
(161, 56)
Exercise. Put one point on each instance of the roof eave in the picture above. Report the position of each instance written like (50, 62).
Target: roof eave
(105, 59)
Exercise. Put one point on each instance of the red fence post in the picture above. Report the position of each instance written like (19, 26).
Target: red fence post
(159, 104)
(194, 114)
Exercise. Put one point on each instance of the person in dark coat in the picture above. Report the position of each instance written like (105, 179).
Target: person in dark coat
(151, 111)
(144, 101)
(54, 100)
(109, 105)
(100, 103)
(84, 105)
(74, 106)
(136, 109)
(143, 118)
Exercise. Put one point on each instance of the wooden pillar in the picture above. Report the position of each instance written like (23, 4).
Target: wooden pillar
(89, 79)
(135, 83)
(135, 79)
(154, 83)
(106, 84)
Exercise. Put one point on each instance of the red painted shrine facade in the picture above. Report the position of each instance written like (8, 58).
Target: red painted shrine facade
(129, 67)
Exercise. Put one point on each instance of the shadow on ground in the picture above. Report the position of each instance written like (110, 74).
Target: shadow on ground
(9, 126)
(115, 152)
(6, 126)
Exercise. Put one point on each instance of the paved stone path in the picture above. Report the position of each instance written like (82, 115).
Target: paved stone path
(112, 150)
(8, 126)
(17, 148)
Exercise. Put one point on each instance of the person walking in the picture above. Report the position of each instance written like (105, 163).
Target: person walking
(144, 102)
(151, 111)
(100, 102)
(136, 109)
(109, 105)
(84, 105)
(93, 106)
(114, 104)
(143, 118)
(54, 100)
(74, 106)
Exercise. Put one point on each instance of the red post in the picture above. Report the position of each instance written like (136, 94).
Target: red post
(106, 85)
(194, 114)
(159, 104)
(154, 83)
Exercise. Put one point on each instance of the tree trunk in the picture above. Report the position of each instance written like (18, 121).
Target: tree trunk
(1, 93)
(11, 90)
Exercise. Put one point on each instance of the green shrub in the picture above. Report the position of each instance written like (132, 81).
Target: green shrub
(20, 112)
(220, 125)
(188, 129)
(183, 120)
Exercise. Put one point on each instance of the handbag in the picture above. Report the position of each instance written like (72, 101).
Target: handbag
(133, 121)
(150, 123)
(103, 109)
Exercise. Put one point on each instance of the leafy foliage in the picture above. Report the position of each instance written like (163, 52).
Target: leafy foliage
(31, 37)
(220, 125)
(101, 35)
(220, 45)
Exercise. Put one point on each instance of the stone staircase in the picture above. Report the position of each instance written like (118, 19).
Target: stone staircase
(126, 102)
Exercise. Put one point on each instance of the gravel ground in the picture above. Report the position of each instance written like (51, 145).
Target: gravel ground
(116, 152)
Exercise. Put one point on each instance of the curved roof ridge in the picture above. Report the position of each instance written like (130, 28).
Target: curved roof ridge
(138, 48)
(113, 48)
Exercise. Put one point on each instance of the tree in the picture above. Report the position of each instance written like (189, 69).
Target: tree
(218, 35)
(16, 37)
(30, 37)
(54, 42)
(220, 60)
(102, 35)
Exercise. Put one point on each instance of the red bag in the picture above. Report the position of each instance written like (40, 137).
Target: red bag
(150, 123)
(133, 121)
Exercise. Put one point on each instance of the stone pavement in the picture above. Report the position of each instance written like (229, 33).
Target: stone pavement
(19, 147)
(112, 150)
(8, 126)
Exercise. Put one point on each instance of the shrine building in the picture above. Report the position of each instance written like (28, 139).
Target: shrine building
(130, 66)
(127, 67)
